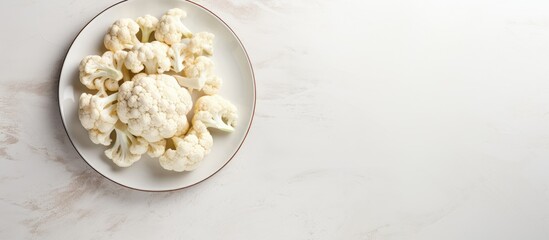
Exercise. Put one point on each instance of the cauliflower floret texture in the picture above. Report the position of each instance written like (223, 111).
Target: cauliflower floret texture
(170, 29)
(154, 106)
(147, 24)
(199, 75)
(201, 44)
(177, 53)
(190, 150)
(98, 116)
(140, 93)
(122, 35)
(153, 57)
(216, 112)
(127, 148)
(102, 73)
(156, 149)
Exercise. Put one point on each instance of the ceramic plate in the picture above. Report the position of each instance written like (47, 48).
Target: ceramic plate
(231, 64)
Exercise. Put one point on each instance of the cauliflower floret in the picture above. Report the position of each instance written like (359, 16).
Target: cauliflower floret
(127, 148)
(156, 149)
(212, 85)
(101, 72)
(153, 57)
(177, 53)
(147, 24)
(189, 151)
(154, 106)
(216, 112)
(170, 29)
(119, 58)
(199, 75)
(98, 116)
(201, 44)
(210, 111)
(98, 137)
(122, 35)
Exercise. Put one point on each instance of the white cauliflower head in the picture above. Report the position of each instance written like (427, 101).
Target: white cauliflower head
(102, 72)
(147, 24)
(98, 116)
(170, 29)
(154, 106)
(121, 35)
(189, 151)
(153, 57)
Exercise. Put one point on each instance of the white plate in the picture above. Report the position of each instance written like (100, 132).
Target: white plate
(231, 64)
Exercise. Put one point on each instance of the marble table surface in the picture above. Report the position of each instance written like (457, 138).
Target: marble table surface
(375, 120)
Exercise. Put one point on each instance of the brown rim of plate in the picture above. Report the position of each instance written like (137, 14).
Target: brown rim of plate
(170, 190)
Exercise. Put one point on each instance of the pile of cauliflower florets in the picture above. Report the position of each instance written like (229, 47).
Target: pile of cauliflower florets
(142, 93)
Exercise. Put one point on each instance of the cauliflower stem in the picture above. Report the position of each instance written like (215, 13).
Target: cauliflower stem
(100, 72)
(127, 148)
(191, 83)
(147, 24)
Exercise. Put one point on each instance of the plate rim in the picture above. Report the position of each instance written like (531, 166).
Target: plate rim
(174, 189)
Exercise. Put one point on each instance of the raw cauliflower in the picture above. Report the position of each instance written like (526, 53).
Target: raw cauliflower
(156, 149)
(153, 57)
(127, 148)
(201, 44)
(190, 150)
(147, 24)
(102, 73)
(121, 35)
(154, 106)
(177, 53)
(98, 115)
(199, 75)
(135, 108)
(216, 112)
(170, 29)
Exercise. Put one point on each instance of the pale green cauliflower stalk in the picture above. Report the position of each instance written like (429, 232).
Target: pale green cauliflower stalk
(98, 115)
(170, 29)
(190, 150)
(127, 149)
(147, 24)
(121, 35)
(153, 57)
(102, 73)
(154, 106)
